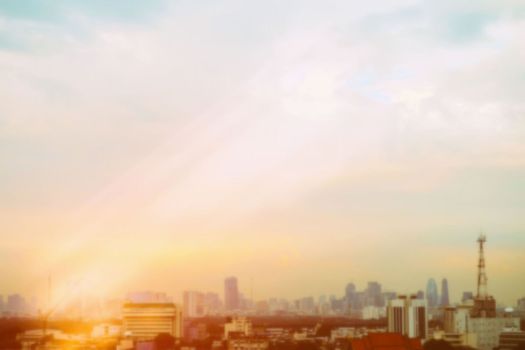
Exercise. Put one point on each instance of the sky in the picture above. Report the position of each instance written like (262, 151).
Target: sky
(298, 145)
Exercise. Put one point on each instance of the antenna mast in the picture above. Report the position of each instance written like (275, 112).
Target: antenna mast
(482, 276)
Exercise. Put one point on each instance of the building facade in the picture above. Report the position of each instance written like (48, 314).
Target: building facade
(408, 315)
(144, 321)
(231, 294)
(432, 293)
(444, 293)
(194, 304)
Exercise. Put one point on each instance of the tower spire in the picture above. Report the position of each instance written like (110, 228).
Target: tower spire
(482, 276)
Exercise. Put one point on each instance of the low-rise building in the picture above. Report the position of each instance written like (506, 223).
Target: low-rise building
(509, 340)
(144, 321)
(238, 326)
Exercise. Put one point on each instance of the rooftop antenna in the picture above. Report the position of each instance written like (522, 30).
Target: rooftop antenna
(482, 276)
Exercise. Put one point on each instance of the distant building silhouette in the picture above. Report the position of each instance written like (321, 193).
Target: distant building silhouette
(231, 293)
(194, 304)
(16, 304)
(444, 293)
(467, 296)
(373, 295)
(432, 293)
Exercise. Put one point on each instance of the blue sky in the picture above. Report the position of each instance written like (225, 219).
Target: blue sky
(300, 138)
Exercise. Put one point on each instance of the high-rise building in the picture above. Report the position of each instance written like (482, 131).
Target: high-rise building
(194, 304)
(408, 315)
(144, 321)
(373, 294)
(520, 304)
(350, 291)
(350, 298)
(432, 293)
(444, 293)
(213, 303)
(306, 305)
(231, 293)
(16, 304)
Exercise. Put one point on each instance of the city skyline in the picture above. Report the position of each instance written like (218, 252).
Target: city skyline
(301, 146)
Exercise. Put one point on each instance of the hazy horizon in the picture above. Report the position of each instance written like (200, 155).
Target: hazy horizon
(156, 145)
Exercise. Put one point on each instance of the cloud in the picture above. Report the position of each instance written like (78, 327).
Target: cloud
(210, 120)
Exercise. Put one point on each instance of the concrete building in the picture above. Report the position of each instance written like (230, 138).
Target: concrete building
(483, 333)
(520, 308)
(231, 294)
(373, 313)
(408, 315)
(455, 318)
(432, 293)
(238, 327)
(445, 301)
(194, 304)
(213, 303)
(374, 296)
(467, 296)
(456, 339)
(385, 341)
(488, 330)
(343, 333)
(148, 297)
(144, 321)
(248, 344)
(306, 305)
(16, 305)
(509, 340)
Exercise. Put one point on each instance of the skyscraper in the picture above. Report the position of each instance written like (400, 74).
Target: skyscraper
(350, 291)
(373, 294)
(350, 298)
(231, 293)
(432, 293)
(194, 304)
(444, 293)
(408, 315)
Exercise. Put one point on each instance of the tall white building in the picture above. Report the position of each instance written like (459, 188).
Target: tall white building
(144, 321)
(408, 315)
